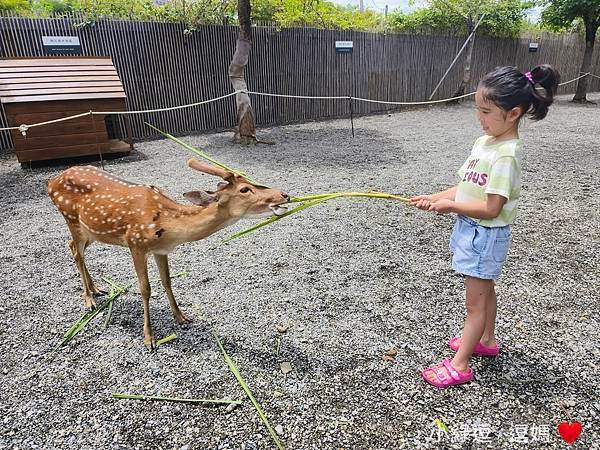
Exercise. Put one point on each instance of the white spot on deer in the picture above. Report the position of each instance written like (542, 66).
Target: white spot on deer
(60, 199)
(152, 225)
(55, 193)
(88, 186)
(137, 235)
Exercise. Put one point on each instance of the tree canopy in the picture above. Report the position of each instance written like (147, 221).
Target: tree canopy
(563, 14)
(503, 17)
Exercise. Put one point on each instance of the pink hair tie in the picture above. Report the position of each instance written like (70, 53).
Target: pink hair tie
(529, 77)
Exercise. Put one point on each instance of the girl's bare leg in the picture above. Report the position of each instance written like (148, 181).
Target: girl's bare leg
(489, 337)
(477, 298)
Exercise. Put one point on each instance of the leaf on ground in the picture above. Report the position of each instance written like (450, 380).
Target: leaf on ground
(391, 354)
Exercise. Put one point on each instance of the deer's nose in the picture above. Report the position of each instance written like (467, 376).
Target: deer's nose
(285, 196)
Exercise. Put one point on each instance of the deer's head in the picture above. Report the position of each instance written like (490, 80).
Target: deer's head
(237, 195)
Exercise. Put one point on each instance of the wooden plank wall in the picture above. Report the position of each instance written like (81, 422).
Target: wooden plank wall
(162, 67)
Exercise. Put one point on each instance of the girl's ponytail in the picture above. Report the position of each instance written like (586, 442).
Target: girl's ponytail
(508, 87)
(547, 77)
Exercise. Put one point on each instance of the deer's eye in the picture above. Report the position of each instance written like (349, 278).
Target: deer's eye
(245, 189)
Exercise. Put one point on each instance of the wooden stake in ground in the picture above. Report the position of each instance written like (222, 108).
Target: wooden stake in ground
(245, 129)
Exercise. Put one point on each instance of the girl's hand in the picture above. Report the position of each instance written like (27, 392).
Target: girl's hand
(442, 206)
(421, 201)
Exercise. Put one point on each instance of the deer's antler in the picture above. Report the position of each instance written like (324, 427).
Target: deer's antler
(211, 170)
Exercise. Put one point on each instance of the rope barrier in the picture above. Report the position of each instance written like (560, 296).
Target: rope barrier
(414, 103)
(171, 108)
(345, 97)
(24, 127)
(575, 79)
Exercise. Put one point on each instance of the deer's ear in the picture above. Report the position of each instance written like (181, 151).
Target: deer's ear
(222, 185)
(201, 198)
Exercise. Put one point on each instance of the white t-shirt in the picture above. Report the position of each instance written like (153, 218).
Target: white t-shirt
(492, 168)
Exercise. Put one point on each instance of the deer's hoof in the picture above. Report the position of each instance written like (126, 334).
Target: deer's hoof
(98, 291)
(90, 303)
(182, 319)
(150, 343)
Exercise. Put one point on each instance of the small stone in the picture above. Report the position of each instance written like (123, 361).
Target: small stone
(279, 429)
(285, 367)
(282, 327)
(393, 352)
(231, 407)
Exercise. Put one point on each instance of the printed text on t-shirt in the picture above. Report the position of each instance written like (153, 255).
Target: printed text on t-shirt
(471, 176)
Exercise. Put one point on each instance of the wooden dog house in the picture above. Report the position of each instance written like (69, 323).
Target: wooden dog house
(34, 90)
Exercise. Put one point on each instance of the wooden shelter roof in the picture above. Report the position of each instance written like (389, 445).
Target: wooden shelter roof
(58, 78)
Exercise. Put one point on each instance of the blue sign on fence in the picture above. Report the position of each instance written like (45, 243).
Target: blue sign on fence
(344, 46)
(61, 45)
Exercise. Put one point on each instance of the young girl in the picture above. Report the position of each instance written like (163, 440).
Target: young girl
(486, 201)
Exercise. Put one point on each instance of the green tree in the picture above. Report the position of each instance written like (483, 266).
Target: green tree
(315, 13)
(55, 7)
(504, 18)
(15, 6)
(562, 14)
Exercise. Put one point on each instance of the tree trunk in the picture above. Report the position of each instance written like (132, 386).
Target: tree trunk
(245, 130)
(590, 36)
(467, 68)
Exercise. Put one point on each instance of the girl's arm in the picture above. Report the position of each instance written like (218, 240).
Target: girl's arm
(425, 201)
(488, 209)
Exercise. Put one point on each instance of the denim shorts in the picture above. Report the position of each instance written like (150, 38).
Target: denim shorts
(478, 251)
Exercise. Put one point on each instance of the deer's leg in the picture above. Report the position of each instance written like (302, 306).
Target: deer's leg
(91, 284)
(141, 268)
(162, 263)
(77, 246)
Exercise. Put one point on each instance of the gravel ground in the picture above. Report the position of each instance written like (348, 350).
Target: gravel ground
(351, 278)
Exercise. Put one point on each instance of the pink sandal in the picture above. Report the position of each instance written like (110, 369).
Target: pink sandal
(480, 349)
(444, 375)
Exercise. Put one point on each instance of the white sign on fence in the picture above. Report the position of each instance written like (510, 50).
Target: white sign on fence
(61, 45)
(344, 46)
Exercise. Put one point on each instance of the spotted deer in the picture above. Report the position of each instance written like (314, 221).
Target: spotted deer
(98, 206)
